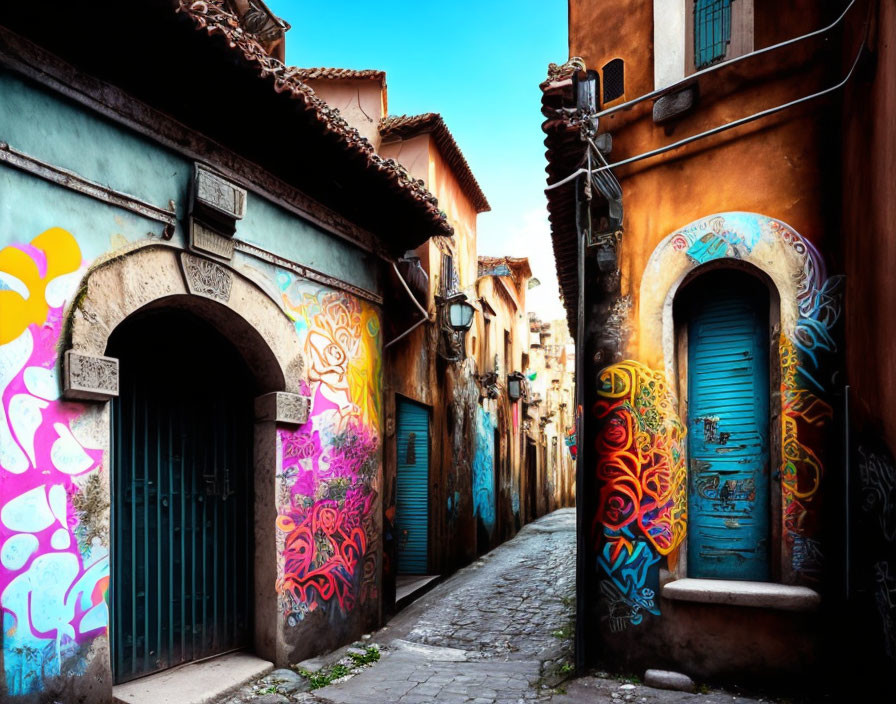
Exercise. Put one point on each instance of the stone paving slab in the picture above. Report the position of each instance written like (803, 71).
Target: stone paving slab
(204, 682)
(405, 677)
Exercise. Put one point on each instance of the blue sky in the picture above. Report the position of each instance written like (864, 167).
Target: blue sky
(479, 65)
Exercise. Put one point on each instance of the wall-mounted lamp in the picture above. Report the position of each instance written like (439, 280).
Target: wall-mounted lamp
(457, 317)
(460, 312)
(515, 386)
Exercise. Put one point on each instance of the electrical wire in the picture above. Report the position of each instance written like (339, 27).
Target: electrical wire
(715, 130)
(715, 67)
(737, 123)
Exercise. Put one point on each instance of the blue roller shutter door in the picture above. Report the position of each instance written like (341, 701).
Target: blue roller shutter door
(412, 509)
(728, 417)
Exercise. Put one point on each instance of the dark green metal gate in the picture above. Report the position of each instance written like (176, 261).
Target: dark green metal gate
(182, 496)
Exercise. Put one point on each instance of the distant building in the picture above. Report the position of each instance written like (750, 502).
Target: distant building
(720, 201)
(550, 376)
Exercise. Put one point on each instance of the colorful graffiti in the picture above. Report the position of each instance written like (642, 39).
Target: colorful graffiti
(569, 440)
(331, 464)
(55, 566)
(484, 470)
(807, 357)
(642, 506)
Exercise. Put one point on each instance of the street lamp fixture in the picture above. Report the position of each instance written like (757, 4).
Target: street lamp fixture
(457, 317)
(460, 312)
(515, 386)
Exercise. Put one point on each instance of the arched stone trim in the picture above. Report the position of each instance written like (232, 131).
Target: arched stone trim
(157, 275)
(810, 306)
(789, 260)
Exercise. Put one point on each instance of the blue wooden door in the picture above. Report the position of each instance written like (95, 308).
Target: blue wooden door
(728, 417)
(412, 503)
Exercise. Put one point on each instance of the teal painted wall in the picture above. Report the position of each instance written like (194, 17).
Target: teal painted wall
(54, 549)
(61, 132)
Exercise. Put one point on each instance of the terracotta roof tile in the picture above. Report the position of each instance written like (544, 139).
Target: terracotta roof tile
(213, 18)
(404, 126)
(345, 74)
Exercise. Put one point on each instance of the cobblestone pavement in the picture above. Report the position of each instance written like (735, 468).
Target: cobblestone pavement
(496, 632)
(488, 634)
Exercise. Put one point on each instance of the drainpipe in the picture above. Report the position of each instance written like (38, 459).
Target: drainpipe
(586, 99)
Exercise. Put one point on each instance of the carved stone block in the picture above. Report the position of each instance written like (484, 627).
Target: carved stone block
(216, 193)
(207, 278)
(675, 105)
(282, 407)
(207, 240)
(89, 377)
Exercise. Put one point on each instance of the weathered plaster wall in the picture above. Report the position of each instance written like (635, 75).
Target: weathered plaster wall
(773, 167)
(331, 468)
(54, 465)
(510, 484)
(362, 102)
(869, 211)
(416, 371)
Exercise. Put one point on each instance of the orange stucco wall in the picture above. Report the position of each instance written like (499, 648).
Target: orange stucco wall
(869, 218)
(772, 166)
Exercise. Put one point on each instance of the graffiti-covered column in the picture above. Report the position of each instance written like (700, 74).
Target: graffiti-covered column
(329, 516)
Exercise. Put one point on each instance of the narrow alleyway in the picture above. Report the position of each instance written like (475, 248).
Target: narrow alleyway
(487, 634)
(497, 632)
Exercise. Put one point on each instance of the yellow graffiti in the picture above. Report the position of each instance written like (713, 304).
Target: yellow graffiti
(364, 369)
(343, 351)
(20, 270)
(801, 469)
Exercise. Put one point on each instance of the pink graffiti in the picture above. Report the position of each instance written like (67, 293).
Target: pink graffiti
(330, 465)
(52, 587)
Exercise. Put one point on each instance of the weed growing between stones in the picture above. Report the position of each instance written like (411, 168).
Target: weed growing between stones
(349, 665)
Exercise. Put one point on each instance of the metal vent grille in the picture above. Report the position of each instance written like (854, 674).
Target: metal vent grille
(614, 80)
(712, 31)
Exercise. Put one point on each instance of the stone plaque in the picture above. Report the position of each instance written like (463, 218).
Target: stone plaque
(207, 278)
(208, 240)
(89, 377)
(215, 192)
(282, 407)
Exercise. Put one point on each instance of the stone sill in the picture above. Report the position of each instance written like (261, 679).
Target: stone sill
(200, 682)
(729, 592)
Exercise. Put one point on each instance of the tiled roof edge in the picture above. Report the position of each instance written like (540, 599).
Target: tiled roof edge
(404, 126)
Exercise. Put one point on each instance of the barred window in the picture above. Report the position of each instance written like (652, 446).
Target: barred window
(712, 31)
(449, 282)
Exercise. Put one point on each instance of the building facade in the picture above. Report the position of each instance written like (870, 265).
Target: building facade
(236, 408)
(706, 222)
(191, 346)
(551, 409)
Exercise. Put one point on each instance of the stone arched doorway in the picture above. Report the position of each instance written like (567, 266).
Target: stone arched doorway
(192, 324)
(805, 310)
